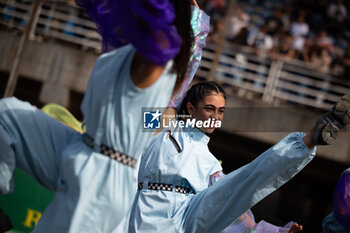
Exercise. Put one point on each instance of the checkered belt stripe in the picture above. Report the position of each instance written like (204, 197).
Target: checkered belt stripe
(110, 152)
(181, 189)
(164, 187)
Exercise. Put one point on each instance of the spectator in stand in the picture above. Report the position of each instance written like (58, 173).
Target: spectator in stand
(320, 41)
(8, 12)
(337, 67)
(274, 23)
(320, 57)
(317, 13)
(241, 38)
(283, 48)
(218, 27)
(70, 26)
(237, 21)
(262, 41)
(262, 44)
(286, 17)
(324, 41)
(337, 14)
(212, 7)
(299, 30)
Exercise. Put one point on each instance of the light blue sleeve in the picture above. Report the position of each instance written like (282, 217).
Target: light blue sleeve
(216, 207)
(7, 163)
(31, 140)
(246, 222)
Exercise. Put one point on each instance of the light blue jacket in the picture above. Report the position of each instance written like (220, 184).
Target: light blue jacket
(92, 191)
(206, 209)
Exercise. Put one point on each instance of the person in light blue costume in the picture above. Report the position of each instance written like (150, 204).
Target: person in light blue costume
(93, 191)
(175, 169)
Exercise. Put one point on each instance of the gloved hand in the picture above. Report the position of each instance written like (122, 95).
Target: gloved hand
(326, 128)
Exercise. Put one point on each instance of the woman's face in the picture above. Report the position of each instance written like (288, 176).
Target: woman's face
(212, 106)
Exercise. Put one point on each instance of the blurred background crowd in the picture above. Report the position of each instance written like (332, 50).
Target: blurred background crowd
(293, 54)
(317, 32)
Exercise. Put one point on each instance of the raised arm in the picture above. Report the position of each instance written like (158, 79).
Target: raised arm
(200, 26)
(246, 223)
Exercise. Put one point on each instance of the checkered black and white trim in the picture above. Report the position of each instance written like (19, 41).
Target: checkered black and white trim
(110, 152)
(181, 189)
(164, 187)
(160, 186)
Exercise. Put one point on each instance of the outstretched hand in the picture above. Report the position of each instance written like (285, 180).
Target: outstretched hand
(295, 228)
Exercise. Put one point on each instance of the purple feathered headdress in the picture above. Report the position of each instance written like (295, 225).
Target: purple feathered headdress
(146, 24)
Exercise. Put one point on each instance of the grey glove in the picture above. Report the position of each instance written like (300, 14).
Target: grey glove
(326, 128)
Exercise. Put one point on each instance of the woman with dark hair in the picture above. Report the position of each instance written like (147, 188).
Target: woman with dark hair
(175, 169)
(245, 223)
(93, 175)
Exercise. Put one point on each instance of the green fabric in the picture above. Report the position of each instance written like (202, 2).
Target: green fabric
(25, 205)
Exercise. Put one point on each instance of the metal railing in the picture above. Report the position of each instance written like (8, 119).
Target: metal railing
(273, 80)
(56, 20)
(238, 67)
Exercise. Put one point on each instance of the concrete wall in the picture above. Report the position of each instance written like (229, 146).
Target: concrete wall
(62, 67)
(257, 120)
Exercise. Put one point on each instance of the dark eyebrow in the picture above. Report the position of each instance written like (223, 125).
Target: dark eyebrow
(210, 105)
